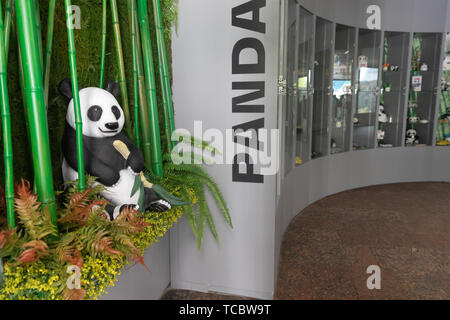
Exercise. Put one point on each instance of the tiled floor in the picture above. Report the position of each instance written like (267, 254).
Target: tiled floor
(172, 294)
(402, 228)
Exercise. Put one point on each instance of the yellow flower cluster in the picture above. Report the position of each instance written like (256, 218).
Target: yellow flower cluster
(99, 274)
(34, 281)
(47, 281)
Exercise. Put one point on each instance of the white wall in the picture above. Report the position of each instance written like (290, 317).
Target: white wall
(243, 262)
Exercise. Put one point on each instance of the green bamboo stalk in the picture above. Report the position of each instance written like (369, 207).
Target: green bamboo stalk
(143, 106)
(9, 8)
(37, 17)
(122, 78)
(48, 48)
(6, 130)
(103, 57)
(169, 124)
(34, 101)
(150, 87)
(76, 97)
(22, 86)
(135, 77)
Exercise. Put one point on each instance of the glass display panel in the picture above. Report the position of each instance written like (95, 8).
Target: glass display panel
(323, 70)
(291, 82)
(304, 85)
(424, 89)
(443, 128)
(368, 70)
(341, 106)
(394, 95)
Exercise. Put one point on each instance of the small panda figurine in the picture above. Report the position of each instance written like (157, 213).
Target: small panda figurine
(411, 137)
(103, 120)
(382, 116)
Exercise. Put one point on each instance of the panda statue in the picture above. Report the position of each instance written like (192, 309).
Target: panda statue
(411, 137)
(103, 120)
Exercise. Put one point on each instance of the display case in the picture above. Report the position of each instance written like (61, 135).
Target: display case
(367, 88)
(424, 89)
(291, 100)
(394, 91)
(443, 126)
(346, 88)
(322, 87)
(341, 106)
(305, 74)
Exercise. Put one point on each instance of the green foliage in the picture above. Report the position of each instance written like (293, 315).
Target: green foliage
(36, 259)
(35, 256)
(88, 49)
(194, 180)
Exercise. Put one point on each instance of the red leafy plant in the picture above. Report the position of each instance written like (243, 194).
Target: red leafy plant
(83, 230)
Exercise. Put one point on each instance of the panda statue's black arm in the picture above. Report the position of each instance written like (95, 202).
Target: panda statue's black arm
(101, 160)
(135, 160)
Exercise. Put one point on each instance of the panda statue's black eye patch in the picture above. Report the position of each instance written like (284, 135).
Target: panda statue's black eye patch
(115, 110)
(95, 113)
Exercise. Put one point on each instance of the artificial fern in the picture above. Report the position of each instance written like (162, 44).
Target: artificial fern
(194, 177)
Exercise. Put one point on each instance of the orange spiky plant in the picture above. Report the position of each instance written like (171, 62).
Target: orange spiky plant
(84, 231)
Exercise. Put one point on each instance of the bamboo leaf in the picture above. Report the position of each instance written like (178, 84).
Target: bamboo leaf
(141, 197)
(174, 201)
(136, 186)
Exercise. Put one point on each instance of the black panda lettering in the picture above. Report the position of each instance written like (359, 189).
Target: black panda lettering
(102, 123)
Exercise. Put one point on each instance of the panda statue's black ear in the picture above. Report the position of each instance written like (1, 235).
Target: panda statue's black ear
(65, 88)
(113, 88)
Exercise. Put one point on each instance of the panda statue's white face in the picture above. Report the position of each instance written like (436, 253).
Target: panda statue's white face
(101, 114)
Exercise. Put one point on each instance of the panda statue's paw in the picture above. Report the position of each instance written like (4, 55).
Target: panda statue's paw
(159, 206)
(128, 207)
(114, 212)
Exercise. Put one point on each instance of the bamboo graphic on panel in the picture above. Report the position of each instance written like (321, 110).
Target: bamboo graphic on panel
(150, 87)
(169, 122)
(103, 53)
(144, 114)
(121, 65)
(48, 48)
